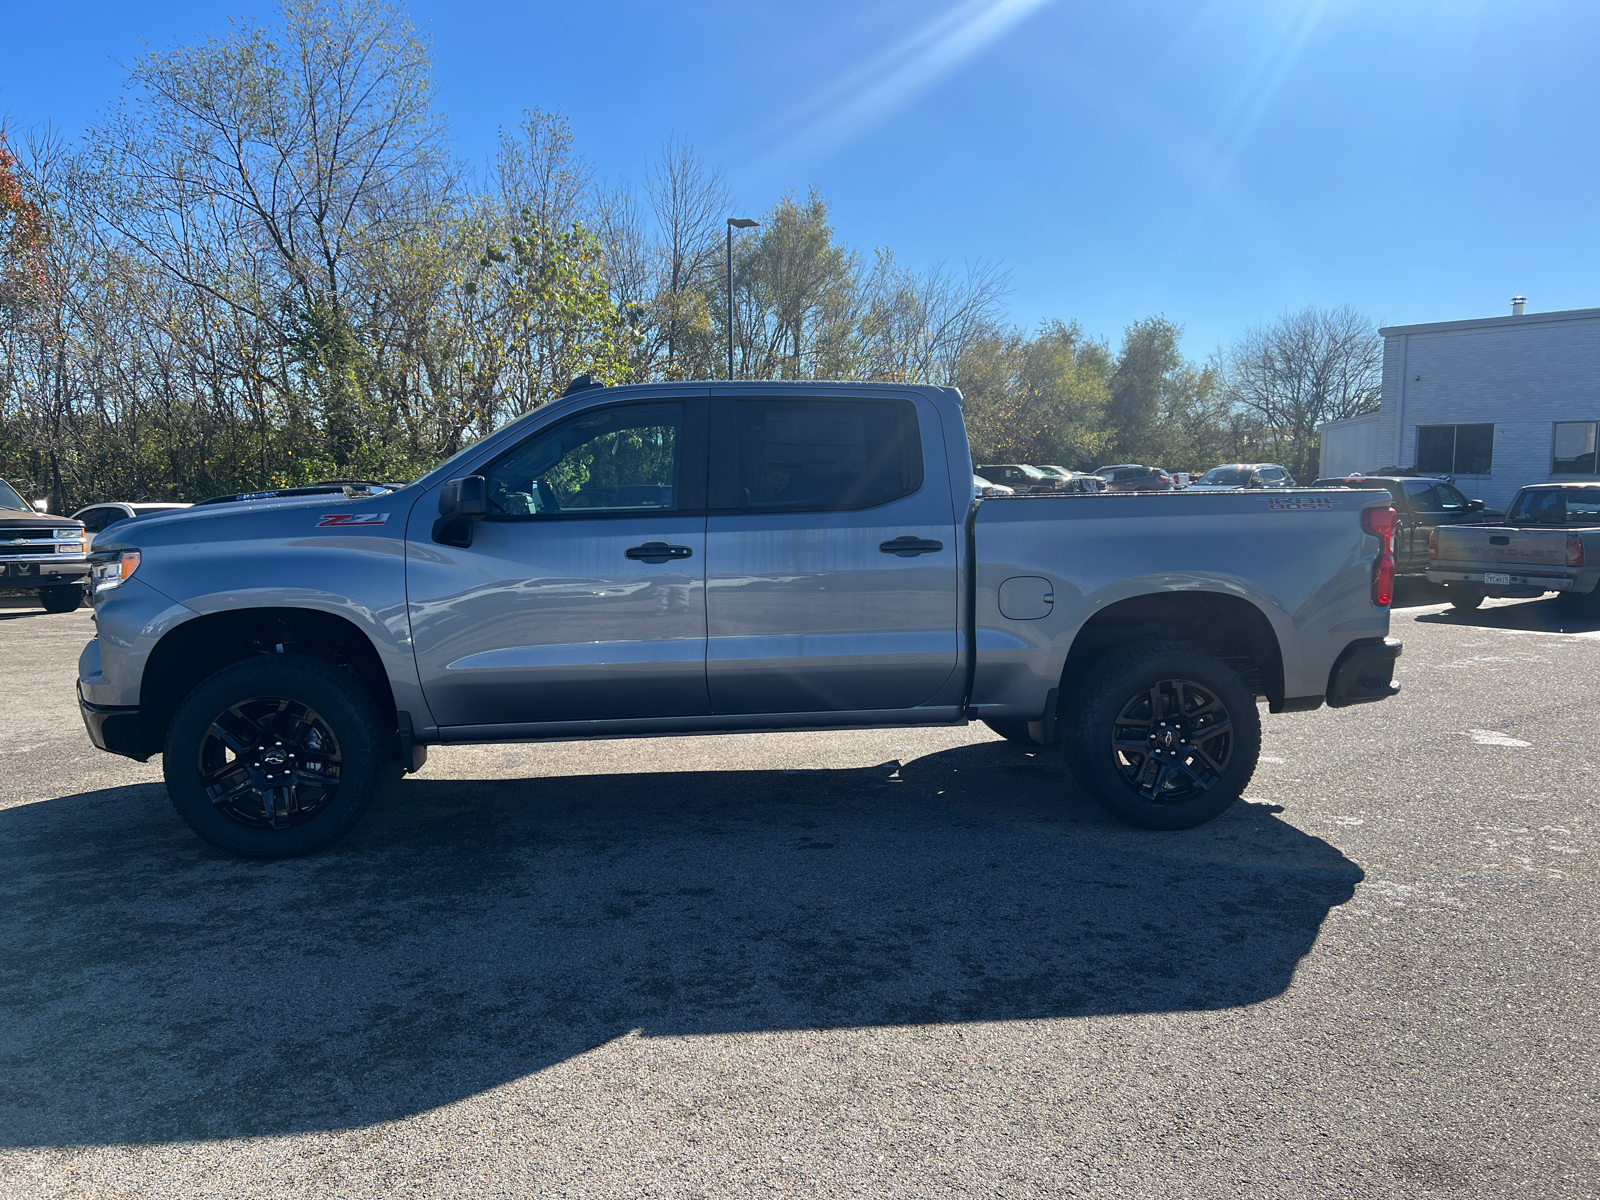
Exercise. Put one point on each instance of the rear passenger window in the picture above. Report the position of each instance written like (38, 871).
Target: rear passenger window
(824, 454)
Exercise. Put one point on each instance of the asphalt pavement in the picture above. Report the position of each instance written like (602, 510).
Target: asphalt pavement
(890, 963)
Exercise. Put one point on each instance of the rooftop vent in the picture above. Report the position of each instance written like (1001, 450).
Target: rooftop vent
(1517, 303)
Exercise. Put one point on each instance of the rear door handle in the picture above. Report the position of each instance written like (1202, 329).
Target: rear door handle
(658, 552)
(907, 546)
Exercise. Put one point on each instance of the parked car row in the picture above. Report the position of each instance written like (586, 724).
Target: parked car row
(49, 555)
(1130, 477)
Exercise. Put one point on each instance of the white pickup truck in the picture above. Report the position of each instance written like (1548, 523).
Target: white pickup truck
(678, 559)
(1548, 542)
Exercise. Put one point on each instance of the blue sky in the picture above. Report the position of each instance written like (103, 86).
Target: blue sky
(1214, 162)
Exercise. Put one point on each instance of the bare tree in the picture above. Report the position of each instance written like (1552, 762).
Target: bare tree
(1305, 368)
(690, 202)
(916, 328)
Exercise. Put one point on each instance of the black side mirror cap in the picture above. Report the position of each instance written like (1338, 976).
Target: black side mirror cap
(462, 502)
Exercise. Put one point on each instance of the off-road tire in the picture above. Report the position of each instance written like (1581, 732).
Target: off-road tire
(1123, 680)
(360, 748)
(1012, 731)
(61, 598)
(1463, 597)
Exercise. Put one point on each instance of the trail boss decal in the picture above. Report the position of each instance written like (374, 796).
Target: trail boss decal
(1296, 503)
(330, 520)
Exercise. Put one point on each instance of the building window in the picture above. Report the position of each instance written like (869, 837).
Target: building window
(1574, 452)
(1455, 449)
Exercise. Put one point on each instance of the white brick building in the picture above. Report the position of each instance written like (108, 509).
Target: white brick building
(1497, 402)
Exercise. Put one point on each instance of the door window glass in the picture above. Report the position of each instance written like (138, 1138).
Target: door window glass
(1436, 498)
(615, 460)
(97, 519)
(825, 454)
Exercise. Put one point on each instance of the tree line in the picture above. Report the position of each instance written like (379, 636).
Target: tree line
(264, 268)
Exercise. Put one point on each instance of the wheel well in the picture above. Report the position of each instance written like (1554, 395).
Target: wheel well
(199, 648)
(1229, 627)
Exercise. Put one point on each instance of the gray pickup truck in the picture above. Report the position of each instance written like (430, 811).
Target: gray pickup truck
(1548, 542)
(651, 560)
(41, 553)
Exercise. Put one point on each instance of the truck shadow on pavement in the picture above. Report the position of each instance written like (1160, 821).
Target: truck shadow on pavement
(1532, 616)
(471, 932)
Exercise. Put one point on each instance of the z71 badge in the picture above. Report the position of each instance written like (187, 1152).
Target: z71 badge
(329, 520)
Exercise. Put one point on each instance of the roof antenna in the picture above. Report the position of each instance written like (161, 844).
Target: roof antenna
(581, 384)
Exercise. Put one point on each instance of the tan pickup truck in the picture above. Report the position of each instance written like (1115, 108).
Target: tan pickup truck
(1550, 542)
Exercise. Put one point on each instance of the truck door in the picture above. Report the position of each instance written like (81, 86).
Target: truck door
(831, 566)
(582, 596)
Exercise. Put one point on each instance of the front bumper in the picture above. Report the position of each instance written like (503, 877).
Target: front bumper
(24, 572)
(1364, 672)
(114, 728)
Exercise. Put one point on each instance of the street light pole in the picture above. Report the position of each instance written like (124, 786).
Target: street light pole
(733, 223)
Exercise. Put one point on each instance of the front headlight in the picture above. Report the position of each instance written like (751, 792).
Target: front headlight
(72, 541)
(109, 572)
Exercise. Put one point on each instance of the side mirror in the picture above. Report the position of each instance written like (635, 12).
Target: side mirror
(1475, 505)
(1256, 482)
(41, 506)
(462, 502)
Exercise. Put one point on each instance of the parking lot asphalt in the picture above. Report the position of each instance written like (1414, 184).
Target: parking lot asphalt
(890, 963)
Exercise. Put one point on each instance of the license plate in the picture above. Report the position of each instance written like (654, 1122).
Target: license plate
(1491, 577)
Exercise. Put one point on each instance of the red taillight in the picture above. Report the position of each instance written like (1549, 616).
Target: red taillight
(1379, 522)
(1574, 550)
(1433, 543)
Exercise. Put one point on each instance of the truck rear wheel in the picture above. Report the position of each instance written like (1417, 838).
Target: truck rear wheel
(1167, 738)
(1464, 597)
(275, 756)
(61, 598)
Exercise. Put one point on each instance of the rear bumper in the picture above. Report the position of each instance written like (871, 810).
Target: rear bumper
(1524, 582)
(114, 728)
(1364, 672)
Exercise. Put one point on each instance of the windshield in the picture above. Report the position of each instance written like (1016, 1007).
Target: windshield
(1225, 477)
(1435, 497)
(1557, 506)
(10, 499)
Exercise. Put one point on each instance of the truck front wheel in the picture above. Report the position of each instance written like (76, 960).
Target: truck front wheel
(61, 597)
(274, 756)
(1166, 738)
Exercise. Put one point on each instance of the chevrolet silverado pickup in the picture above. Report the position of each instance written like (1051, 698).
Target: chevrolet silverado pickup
(1548, 542)
(681, 559)
(41, 553)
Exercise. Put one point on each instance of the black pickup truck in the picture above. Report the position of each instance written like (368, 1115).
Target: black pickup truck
(41, 553)
(1422, 503)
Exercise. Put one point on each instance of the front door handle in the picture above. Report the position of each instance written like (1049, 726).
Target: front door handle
(658, 552)
(907, 546)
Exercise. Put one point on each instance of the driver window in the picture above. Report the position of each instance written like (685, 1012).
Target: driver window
(614, 460)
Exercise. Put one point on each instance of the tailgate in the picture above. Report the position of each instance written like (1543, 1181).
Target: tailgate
(1502, 544)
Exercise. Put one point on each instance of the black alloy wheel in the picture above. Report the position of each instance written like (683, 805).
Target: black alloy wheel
(1167, 736)
(1172, 741)
(269, 763)
(275, 756)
